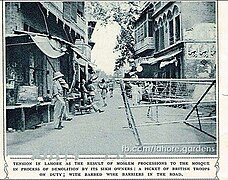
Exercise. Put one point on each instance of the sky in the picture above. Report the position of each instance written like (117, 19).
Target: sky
(102, 54)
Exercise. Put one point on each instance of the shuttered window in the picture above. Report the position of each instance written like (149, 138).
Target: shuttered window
(150, 29)
(70, 11)
(67, 11)
(162, 44)
(74, 11)
(171, 35)
(145, 29)
(177, 32)
(157, 40)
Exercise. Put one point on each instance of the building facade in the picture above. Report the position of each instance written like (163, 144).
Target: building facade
(176, 39)
(40, 39)
(44, 37)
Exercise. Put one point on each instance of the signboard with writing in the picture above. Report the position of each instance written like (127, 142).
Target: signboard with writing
(200, 50)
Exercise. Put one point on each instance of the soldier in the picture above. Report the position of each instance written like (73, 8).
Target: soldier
(60, 106)
(65, 87)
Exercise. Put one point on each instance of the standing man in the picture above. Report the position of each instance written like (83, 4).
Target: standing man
(65, 87)
(59, 108)
(83, 91)
(104, 89)
(111, 87)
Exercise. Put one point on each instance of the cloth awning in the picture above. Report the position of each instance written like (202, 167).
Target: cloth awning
(165, 63)
(151, 60)
(53, 46)
(168, 56)
(50, 47)
(148, 60)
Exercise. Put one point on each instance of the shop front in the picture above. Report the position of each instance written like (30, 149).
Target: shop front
(31, 60)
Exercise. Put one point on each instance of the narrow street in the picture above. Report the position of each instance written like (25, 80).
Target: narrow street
(94, 133)
(107, 133)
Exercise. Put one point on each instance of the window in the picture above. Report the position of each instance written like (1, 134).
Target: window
(177, 28)
(70, 11)
(74, 10)
(26, 27)
(67, 11)
(171, 35)
(157, 40)
(137, 35)
(150, 27)
(141, 33)
(80, 8)
(162, 44)
(145, 29)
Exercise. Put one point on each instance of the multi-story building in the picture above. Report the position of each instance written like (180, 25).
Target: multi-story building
(42, 38)
(176, 39)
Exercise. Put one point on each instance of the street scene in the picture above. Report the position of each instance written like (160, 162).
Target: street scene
(110, 78)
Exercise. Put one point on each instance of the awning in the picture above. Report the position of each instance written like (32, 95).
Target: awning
(48, 46)
(168, 56)
(151, 60)
(148, 60)
(165, 63)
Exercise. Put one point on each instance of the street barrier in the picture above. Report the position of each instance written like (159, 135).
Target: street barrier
(196, 97)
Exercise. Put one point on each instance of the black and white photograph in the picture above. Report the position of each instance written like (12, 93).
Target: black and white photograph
(126, 89)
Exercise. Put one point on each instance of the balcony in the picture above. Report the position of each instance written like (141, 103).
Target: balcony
(57, 10)
(145, 45)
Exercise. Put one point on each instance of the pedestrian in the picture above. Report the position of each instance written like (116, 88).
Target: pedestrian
(91, 96)
(128, 89)
(135, 93)
(149, 93)
(83, 91)
(65, 87)
(111, 88)
(59, 103)
(140, 88)
(76, 95)
(104, 89)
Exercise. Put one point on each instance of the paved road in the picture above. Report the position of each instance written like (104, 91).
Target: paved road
(106, 133)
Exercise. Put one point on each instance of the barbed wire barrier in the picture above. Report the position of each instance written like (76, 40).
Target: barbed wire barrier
(195, 97)
(130, 118)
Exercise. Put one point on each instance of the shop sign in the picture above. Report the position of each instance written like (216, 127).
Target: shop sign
(200, 50)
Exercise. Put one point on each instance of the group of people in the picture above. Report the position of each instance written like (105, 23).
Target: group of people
(86, 91)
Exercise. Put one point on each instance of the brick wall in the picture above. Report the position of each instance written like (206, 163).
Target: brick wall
(13, 20)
